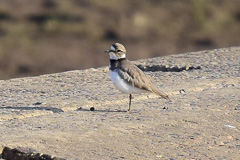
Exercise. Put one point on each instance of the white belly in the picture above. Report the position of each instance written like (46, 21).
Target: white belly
(123, 86)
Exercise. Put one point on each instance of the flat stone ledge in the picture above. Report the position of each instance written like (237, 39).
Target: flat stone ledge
(51, 113)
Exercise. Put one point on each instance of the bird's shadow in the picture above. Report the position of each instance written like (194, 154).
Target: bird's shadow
(54, 110)
(101, 110)
(57, 110)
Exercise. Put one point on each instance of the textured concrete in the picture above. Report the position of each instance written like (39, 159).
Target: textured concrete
(51, 114)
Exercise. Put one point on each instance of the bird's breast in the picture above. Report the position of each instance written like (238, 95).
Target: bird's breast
(122, 85)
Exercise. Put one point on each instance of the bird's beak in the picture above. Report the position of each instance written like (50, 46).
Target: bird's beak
(107, 51)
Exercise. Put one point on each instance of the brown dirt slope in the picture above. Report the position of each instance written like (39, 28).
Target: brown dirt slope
(50, 113)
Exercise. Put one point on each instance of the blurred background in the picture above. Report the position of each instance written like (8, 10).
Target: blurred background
(48, 36)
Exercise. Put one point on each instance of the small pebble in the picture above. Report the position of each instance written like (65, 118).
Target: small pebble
(165, 108)
(221, 143)
(92, 109)
(37, 103)
(230, 126)
(182, 91)
(237, 107)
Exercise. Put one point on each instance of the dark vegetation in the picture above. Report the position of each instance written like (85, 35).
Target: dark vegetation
(47, 36)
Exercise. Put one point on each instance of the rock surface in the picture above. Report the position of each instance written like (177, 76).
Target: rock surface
(51, 114)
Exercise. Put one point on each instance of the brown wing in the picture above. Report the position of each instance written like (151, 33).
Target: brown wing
(135, 77)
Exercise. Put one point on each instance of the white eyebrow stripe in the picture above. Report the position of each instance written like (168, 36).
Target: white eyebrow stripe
(112, 48)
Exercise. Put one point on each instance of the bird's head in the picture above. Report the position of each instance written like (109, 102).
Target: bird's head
(116, 51)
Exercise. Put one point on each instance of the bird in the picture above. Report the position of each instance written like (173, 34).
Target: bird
(127, 77)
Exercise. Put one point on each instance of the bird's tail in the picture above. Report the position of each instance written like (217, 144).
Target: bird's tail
(160, 93)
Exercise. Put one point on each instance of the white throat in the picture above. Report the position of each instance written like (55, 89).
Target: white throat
(113, 56)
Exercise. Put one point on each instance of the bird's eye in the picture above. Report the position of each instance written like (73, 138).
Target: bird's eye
(119, 50)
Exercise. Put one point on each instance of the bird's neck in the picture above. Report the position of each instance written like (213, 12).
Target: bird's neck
(119, 60)
(115, 63)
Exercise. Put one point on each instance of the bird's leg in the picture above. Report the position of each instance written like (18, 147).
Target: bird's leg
(130, 100)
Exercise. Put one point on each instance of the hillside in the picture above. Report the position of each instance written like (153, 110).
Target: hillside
(49, 36)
